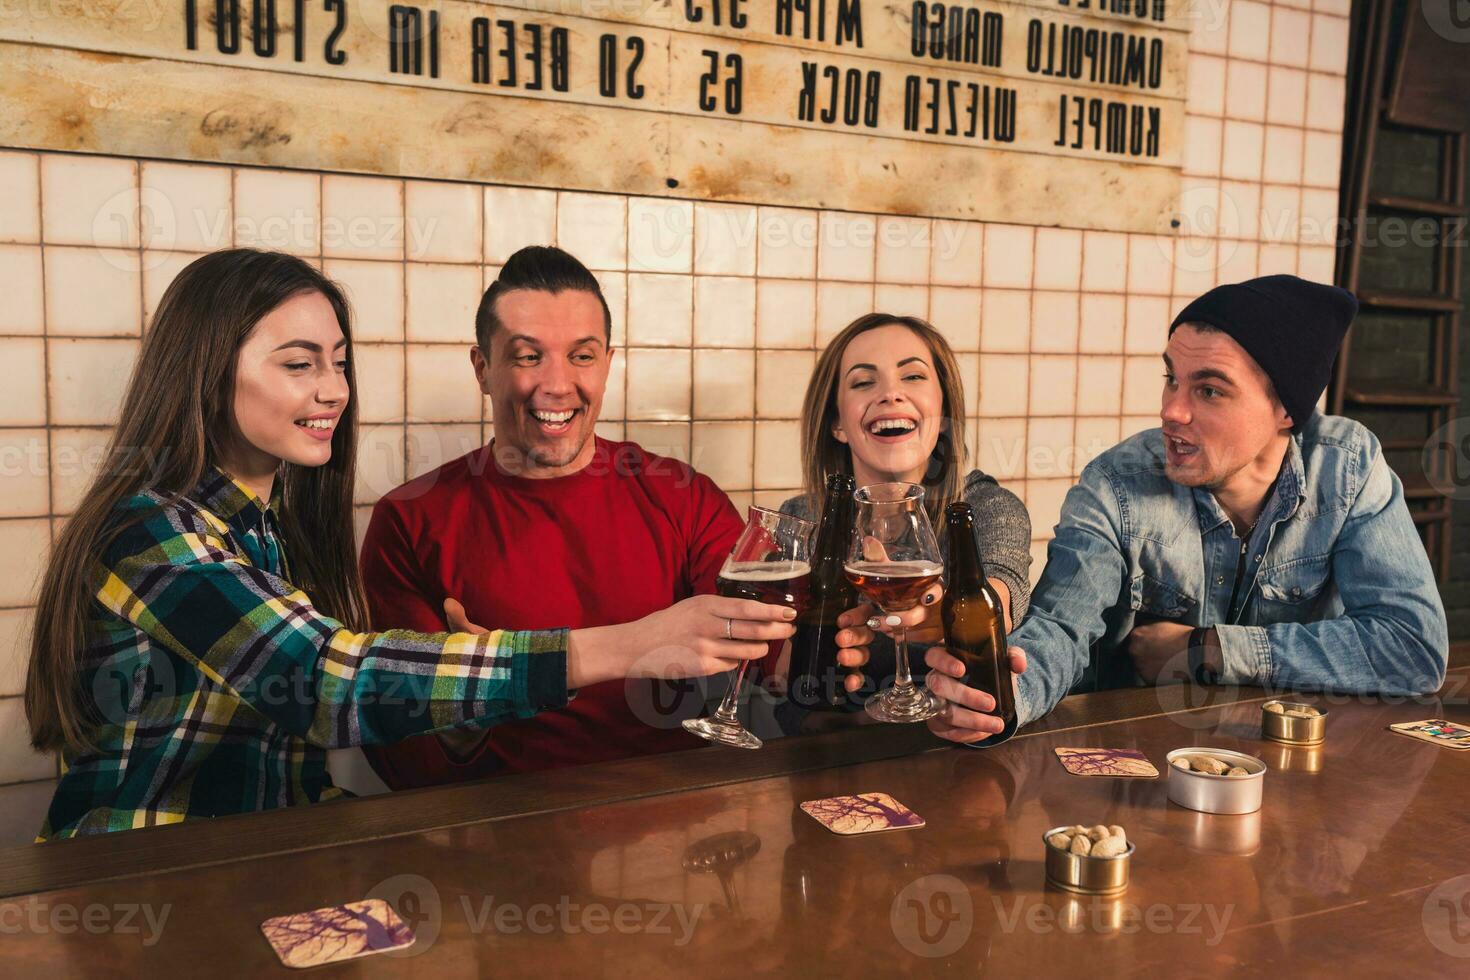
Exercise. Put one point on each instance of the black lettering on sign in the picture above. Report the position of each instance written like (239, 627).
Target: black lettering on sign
(298, 30)
(406, 36)
(508, 29)
(829, 93)
(263, 28)
(1107, 126)
(533, 56)
(560, 59)
(1104, 57)
(710, 81)
(334, 54)
(635, 88)
(694, 12)
(480, 50)
(607, 66)
(951, 107)
(545, 54)
(227, 26)
(1137, 9)
(847, 26)
(993, 32)
(957, 34)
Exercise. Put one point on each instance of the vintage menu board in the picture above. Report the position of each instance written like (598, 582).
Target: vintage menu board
(1035, 111)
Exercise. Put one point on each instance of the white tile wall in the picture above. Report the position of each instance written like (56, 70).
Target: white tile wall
(362, 217)
(21, 278)
(718, 310)
(20, 212)
(442, 222)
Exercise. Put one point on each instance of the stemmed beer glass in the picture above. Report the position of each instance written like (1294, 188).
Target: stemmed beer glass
(770, 563)
(893, 560)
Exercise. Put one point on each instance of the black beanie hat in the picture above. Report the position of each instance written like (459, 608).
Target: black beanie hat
(1292, 328)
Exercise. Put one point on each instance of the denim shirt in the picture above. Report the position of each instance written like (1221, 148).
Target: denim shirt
(1336, 594)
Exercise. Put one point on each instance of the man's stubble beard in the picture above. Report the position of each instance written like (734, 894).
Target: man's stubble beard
(544, 456)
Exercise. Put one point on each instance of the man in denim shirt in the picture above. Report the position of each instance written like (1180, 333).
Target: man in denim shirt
(1235, 544)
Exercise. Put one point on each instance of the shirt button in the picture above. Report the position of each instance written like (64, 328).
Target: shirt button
(1258, 559)
(1220, 580)
(1296, 591)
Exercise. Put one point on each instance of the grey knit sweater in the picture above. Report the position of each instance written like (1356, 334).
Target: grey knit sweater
(1002, 531)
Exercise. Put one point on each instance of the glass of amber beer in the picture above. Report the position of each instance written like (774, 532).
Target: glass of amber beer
(770, 563)
(893, 560)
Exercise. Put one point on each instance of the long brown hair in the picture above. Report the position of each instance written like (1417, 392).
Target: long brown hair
(177, 417)
(823, 455)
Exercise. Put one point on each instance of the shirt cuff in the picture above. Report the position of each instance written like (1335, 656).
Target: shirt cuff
(1028, 709)
(1030, 702)
(1245, 652)
(545, 670)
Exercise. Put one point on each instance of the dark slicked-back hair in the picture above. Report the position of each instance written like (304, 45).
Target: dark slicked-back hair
(543, 267)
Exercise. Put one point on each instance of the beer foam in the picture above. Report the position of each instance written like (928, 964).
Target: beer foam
(918, 568)
(765, 571)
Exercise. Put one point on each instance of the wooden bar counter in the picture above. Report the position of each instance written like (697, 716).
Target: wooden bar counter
(701, 864)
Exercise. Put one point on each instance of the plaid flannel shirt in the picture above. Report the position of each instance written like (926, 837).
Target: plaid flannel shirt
(218, 687)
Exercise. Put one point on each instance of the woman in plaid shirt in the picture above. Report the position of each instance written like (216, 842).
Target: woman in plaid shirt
(175, 664)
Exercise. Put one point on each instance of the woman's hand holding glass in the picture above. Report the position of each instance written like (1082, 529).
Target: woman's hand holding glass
(967, 716)
(858, 627)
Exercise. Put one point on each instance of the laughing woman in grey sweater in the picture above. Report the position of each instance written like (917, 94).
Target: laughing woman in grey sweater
(886, 404)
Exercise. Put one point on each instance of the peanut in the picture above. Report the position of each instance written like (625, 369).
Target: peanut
(1275, 708)
(1237, 771)
(1208, 764)
(1096, 841)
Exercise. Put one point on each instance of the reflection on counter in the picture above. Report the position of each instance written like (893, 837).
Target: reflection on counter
(1294, 758)
(1220, 833)
(720, 855)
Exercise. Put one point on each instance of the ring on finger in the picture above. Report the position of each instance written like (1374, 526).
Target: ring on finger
(729, 629)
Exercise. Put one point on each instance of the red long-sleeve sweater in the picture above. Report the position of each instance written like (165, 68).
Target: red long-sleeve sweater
(630, 534)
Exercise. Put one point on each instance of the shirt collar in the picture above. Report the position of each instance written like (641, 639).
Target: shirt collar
(232, 501)
(1287, 494)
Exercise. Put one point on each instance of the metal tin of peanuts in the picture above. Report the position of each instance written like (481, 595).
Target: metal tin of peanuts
(1217, 794)
(1083, 873)
(1282, 727)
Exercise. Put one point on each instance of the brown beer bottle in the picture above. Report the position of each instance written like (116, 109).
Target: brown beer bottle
(974, 619)
(815, 678)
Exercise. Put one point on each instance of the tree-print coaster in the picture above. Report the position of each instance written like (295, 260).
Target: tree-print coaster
(865, 813)
(340, 932)
(1107, 762)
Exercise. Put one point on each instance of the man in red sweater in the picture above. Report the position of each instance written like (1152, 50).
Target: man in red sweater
(547, 526)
